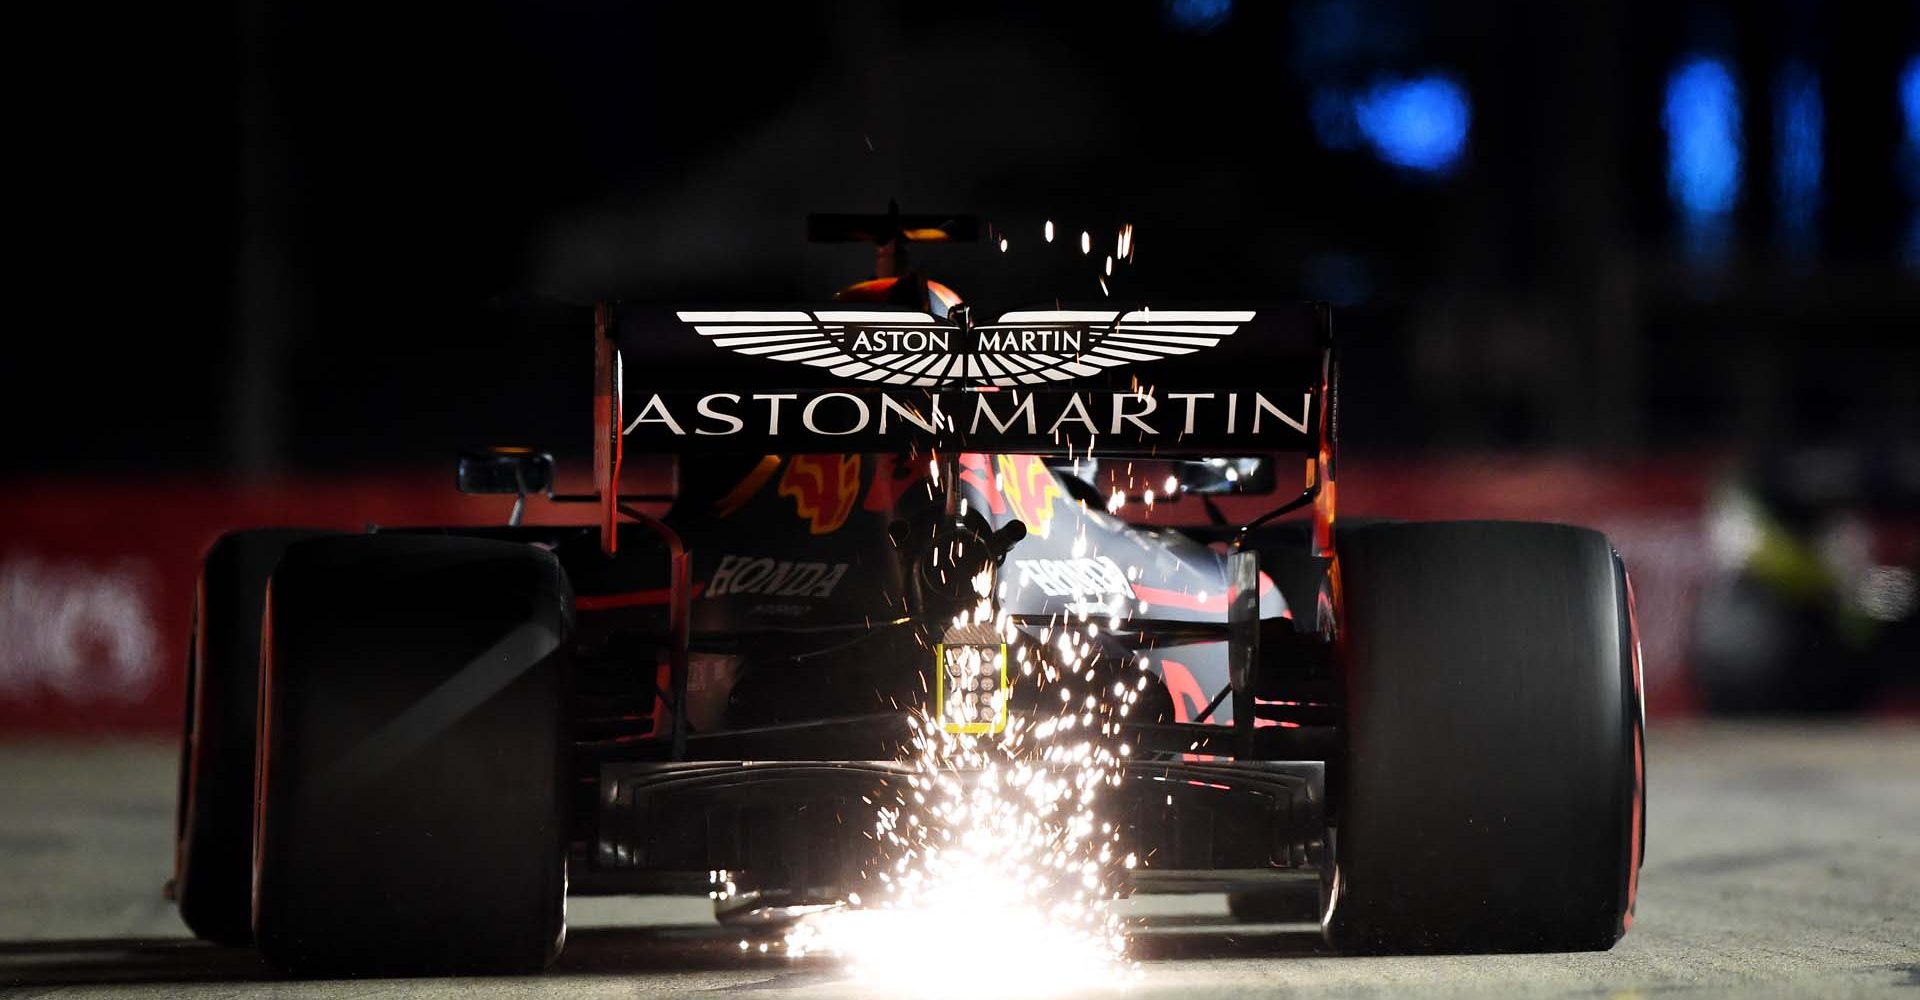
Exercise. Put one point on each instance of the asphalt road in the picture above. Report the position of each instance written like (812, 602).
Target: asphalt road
(1781, 861)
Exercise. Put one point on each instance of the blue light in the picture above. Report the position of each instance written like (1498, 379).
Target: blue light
(1910, 157)
(1702, 120)
(1199, 16)
(1910, 110)
(1910, 100)
(1799, 121)
(1420, 124)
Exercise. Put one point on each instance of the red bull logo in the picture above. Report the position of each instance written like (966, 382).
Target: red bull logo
(824, 489)
(1030, 490)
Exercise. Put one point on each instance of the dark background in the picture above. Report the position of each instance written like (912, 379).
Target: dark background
(296, 236)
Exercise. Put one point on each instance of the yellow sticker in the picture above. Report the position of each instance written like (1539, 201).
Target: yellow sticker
(970, 691)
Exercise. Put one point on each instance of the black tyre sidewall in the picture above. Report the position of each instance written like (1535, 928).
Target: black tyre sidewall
(1488, 794)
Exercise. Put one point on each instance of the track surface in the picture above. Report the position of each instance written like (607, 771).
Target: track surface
(1781, 860)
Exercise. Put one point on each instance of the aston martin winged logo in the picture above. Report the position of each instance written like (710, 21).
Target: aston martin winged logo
(1029, 347)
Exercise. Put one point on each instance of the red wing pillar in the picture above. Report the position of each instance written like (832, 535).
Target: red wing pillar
(607, 420)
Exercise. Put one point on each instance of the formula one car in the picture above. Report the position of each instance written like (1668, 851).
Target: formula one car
(405, 748)
(1811, 608)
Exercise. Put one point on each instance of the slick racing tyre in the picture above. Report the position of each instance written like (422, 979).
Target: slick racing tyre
(412, 747)
(1490, 795)
(213, 831)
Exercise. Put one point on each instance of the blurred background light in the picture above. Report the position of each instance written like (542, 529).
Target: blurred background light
(1198, 15)
(1702, 119)
(1799, 125)
(1420, 124)
(1910, 154)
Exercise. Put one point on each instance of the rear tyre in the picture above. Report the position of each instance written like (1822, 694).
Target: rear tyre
(213, 846)
(412, 746)
(1490, 796)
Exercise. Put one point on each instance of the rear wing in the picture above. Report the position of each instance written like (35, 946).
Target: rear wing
(1066, 381)
(1069, 381)
(1103, 380)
